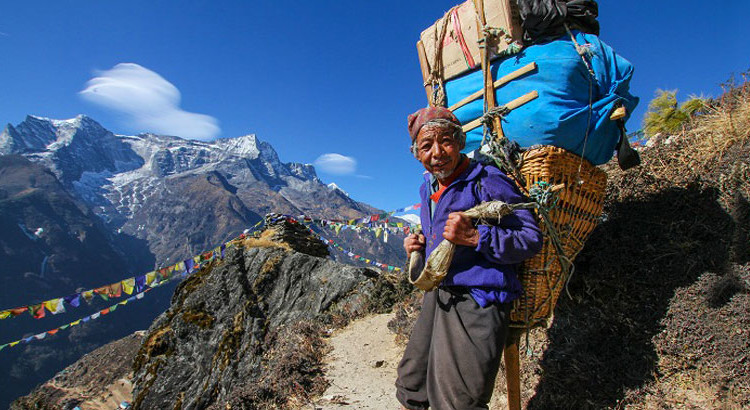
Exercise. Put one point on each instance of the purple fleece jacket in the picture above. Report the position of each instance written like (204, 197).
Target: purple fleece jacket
(489, 270)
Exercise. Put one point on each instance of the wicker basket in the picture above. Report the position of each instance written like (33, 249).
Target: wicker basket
(574, 216)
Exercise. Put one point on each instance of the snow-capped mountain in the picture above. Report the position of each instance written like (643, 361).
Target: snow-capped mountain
(164, 188)
(333, 187)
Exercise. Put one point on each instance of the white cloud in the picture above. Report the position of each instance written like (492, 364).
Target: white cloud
(150, 102)
(336, 164)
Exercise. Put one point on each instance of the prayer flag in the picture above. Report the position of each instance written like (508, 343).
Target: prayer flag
(64, 326)
(103, 292)
(115, 290)
(189, 265)
(113, 307)
(104, 311)
(37, 311)
(5, 314)
(3, 346)
(140, 283)
(73, 300)
(53, 331)
(40, 336)
(88, 295)
(96, 315)
(124, 302)
(86, 319)
(128, 285)
(19, 310)
(378, 231)
(139, 296)
(55, 306)
(14, 343)
(76, 323)
(28, 339)
(150, 278)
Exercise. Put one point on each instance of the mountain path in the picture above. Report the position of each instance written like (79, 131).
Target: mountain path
(362, 366)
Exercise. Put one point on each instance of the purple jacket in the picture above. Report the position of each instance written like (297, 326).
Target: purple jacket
(489, 270)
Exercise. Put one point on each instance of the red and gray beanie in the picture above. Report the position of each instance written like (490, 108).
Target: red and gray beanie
(417, 120)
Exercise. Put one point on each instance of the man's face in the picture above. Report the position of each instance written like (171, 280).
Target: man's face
(438, 151)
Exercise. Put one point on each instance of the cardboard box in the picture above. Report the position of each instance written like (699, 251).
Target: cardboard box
(460, 44)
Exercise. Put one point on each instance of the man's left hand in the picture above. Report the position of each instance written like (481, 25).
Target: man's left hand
(460, 230)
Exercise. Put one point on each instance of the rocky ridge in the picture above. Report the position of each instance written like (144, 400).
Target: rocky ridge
(231, 328)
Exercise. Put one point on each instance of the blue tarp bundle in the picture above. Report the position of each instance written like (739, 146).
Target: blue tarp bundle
(560, 115)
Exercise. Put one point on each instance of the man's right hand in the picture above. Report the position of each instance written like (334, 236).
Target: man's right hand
(413, 243)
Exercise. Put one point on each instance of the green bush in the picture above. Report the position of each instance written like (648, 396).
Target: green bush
(666, 116)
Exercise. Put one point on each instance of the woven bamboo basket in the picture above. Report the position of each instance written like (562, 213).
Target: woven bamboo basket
(574, 216)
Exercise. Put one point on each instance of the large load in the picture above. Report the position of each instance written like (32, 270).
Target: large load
(565, 81)
(537, 90)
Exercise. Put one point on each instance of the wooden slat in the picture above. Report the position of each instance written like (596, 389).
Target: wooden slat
(497, 84)
(512, 105)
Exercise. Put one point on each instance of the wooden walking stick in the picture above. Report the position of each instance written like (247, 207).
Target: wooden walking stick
(513, 368)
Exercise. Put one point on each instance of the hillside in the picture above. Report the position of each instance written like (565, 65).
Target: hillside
(658, 315)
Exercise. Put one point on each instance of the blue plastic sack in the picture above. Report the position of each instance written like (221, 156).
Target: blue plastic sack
(560, 115)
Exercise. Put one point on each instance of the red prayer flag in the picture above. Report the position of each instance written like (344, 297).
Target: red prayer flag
(37, 311)
(104, 311)
(53, 331)
(19, 310)
(115, 290)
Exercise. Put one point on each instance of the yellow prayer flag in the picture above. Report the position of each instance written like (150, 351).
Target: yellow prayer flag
(150, 278)
(76, 323)
(128, 285)
(11, 344)
(54, 306)
(5, 314)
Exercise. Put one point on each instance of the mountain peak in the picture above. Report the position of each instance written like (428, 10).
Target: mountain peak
(333, 187)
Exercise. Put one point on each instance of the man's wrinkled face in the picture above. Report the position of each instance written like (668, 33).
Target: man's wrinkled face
(438, 151)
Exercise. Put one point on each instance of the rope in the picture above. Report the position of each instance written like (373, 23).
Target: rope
(584, 51)
(436, 77)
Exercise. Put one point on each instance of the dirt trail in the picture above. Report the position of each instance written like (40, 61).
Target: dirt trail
(362, 366)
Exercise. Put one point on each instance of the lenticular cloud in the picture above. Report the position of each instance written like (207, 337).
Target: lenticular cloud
(336, 164)
(150, 102)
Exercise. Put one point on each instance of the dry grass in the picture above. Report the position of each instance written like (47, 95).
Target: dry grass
(265, 241)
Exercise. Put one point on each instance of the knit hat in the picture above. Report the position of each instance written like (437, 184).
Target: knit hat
(424, 115)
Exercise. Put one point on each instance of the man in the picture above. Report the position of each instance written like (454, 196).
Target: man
(454, 351)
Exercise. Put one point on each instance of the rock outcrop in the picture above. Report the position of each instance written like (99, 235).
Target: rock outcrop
(226, 322)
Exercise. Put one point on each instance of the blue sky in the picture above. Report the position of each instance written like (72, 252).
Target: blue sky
(311, 78)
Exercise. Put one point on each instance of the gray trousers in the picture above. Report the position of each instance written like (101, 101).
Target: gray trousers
(453, 354)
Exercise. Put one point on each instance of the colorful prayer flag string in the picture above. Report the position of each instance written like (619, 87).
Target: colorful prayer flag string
(139, 295)
(115, 290)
